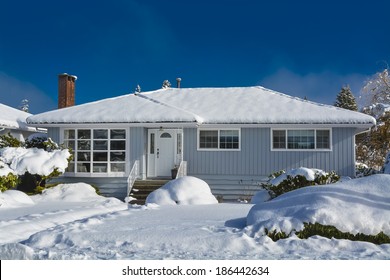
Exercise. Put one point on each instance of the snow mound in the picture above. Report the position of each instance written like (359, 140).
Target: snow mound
(308, 173)
(5, 170)
(34, 160)
(185, 191)
(357, 206)
(77, 192)
(14, 198)
(260, 197)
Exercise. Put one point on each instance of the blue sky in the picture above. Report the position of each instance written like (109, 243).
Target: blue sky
(302, 48)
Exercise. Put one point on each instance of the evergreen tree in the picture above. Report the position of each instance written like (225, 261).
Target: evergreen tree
(346, 100)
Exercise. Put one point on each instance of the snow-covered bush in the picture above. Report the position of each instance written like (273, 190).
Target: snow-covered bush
(363, 170)
(282, 182)
(184, 191)
(33, 165)
(7, 140)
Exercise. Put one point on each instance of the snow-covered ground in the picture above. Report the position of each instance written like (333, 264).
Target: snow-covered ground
(72, 222)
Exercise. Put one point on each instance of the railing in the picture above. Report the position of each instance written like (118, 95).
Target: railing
(182, 170)
(134, 173)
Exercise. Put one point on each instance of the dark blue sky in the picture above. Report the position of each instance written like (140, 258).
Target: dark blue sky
(302, 48)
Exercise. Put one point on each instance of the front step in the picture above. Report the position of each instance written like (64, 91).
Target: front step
(142, 188)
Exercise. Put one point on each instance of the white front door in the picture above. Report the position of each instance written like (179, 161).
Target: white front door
(164, 150)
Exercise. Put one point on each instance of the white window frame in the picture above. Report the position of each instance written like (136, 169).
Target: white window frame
(301, 150)
(98, 174)
(219, 133)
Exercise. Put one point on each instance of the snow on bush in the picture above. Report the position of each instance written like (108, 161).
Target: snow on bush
(185, 190)
(260, 197)
(282, 182)
(356, 206)
(34, 160)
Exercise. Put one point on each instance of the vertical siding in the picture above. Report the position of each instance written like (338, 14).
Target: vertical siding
(257, 159)
(54, 134)
(138, 138)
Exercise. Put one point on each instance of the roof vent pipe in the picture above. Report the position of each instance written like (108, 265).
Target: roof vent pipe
(178, 81)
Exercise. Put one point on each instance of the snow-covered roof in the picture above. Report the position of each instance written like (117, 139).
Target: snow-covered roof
(235, 105)
(13, 118)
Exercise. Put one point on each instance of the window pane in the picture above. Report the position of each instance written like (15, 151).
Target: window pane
(117, 167)
(117, 156)
(100, 134)
(83, 156)
(100, 167)
(70, 144)
(118, 145)
(165, 135)
(84, 134)
(229, 139)
(279, 139)
(152, 144)
(118, 134)
(69, 134)
(179, 143)
(99, 156)
(208, 139)
(300, 139)
(100, 145)
(84, 167)
(323, 139)
(70, 167)
(83, 145)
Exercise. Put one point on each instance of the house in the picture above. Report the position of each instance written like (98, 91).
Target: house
(13, 121)
(230, 137)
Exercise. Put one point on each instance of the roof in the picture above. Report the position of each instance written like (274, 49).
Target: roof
(14, 119)
(235, 105)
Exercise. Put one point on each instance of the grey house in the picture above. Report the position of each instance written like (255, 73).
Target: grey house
(229, 137)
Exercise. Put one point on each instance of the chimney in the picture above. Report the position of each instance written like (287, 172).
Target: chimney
(66, 90)
(178, 80)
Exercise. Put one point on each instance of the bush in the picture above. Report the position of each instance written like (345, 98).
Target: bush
(7, 140)
(329, 232)
(9, 181)
(296, 181)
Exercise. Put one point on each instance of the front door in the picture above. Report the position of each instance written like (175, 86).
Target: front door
(164, 151)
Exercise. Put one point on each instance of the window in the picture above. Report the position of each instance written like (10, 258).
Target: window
(220, 139)
(307, 139)
(96, 150)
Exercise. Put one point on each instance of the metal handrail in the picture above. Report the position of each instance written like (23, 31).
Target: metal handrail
(134, 173)
(182, 170)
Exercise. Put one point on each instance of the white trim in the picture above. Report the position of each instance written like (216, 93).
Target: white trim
(99, 174)
(302, 150)
(218, 149)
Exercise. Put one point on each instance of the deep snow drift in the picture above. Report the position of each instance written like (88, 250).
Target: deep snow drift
(73, 222)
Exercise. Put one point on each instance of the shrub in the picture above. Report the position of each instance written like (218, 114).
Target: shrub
(329, 232)
(9, 181)
(7, 140)
(294, 181)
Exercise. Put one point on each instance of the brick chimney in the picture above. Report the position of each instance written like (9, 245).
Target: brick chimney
(66, 90)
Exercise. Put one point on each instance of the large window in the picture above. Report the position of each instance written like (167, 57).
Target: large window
(307, 139)
(219, 139)
(96, 150)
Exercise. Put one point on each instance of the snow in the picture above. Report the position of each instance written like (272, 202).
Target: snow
(183, 191)
(260, 197)
(356, 206)
(34, 160)
(5, 170)
(237, 105)
(13, 118)
(71, 221)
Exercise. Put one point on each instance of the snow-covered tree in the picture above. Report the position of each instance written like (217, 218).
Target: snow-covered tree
(345, 99)
(137, 89)
(166, 84)
(373, 146)
(24, 105)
